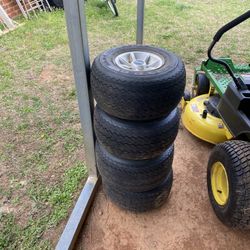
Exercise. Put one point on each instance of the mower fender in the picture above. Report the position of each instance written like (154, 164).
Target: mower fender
(203, 125)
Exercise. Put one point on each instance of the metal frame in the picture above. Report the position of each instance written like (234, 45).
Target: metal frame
(7, 21)
(21, 8)
(27, 6)
(140, 21)
(79, 48)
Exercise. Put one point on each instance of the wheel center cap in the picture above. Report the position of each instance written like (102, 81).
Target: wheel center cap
(139, 61)
(140, 64)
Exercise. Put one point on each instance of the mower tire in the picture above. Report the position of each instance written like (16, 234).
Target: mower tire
(228, 179)
(140, 201)
(131, 94)
(135, 140)
(134, 176)
(202, 84)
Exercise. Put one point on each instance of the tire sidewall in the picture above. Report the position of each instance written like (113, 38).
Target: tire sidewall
(141, 201)
(202, 84)
(141, 95)
(132, 140)
(135, 176)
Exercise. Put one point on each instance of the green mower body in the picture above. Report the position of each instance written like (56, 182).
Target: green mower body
(233, 106)
(218, 111)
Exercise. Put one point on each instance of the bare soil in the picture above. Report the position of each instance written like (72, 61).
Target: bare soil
(186, 221)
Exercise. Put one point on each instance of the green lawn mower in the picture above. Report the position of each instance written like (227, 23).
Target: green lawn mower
(218, 111)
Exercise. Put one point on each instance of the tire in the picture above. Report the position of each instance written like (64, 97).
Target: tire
(187, 96)
(202, 85)
(137, 95)
(134, 176)
(235, 157)
(57, 3)
(140, 201)
(112, 6)
(135, 140)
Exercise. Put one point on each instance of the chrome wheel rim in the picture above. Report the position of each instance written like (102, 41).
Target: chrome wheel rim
(139, 61)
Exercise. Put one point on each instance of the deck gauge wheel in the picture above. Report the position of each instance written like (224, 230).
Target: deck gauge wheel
(201, 85)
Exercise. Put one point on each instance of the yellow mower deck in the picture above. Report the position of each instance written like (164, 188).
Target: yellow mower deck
(210, 129)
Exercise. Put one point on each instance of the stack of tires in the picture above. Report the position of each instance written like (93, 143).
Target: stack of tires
(137, 89)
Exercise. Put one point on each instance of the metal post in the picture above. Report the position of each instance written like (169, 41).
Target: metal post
(140, 21)
(78, 215)
(77, 32)
(21, 8)
(6, 19)
(78, 41)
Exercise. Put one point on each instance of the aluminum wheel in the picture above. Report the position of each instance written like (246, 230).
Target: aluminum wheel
(139, 61)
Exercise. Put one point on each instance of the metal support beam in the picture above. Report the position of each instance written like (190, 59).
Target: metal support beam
(78, 41)
(140, 21)
(77, 217)
(6, 19)
(21, 8)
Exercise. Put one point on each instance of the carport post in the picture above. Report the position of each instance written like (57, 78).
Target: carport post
(78, 41)
(140, 21)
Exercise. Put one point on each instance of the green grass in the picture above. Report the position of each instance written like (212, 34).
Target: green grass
(41, 153)
(58, 198)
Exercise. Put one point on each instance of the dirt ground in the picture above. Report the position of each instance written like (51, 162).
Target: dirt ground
(186, 221)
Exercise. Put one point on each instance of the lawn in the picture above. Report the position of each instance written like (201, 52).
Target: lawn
(42, 165)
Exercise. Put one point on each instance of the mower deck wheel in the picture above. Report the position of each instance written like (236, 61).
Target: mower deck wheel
(228, 179)
(202, 85)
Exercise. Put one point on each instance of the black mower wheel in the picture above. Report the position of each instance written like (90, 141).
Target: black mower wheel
(140, 201)
(138, 82)
(57, 3)
(134, 176)
(135, 140)
(228, 179)
(202, 85)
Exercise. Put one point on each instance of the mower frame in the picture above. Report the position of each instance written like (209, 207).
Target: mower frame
(232, 82)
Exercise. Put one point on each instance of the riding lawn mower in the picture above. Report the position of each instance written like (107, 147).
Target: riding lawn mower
(218, 111)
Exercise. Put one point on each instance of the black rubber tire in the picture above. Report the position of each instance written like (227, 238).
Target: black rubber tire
(113, 7)
(203, 84)
(235, 156)
(140, 201)
(136, 95)
(187, 96)
(57, 3)
(135, 140)
(134, 176)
